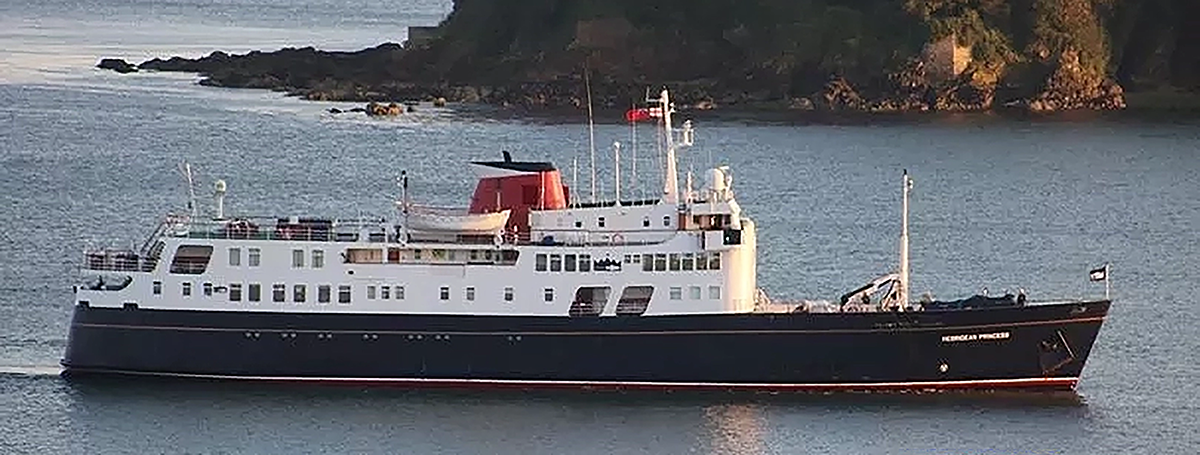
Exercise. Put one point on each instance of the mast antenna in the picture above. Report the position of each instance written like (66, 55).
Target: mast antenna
(587, 83)
(219, 188)
(617, 171)
(633, 139)
(185, 168)
(405, 203)
(903, 293)
(671, 182)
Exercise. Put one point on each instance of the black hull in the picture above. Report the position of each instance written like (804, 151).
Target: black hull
(1032, 347)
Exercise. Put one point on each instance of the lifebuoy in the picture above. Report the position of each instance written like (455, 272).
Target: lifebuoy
(618, 238)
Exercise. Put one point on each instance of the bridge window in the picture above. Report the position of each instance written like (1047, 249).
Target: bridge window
(555, 263)
(569, 262)
(674, 262)
(634, 300)
(589, 301)
(660, 262)
(714, 261)
(647, 262)
(689, 262)
(191, 259)
(540, 263)
(585, 263)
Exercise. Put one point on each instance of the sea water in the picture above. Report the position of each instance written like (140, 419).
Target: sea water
(89, 157)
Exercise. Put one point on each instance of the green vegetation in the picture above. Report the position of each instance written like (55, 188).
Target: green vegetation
(800, 43)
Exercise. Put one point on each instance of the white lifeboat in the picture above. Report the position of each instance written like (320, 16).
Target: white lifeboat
(454, 219)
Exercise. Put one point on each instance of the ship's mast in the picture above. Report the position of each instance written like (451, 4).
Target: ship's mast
(671, 182)
(902, 295)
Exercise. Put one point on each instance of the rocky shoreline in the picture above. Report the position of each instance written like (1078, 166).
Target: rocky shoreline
(841, 56)
(370, 75)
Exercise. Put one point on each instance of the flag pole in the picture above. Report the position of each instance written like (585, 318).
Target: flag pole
(1107, 281)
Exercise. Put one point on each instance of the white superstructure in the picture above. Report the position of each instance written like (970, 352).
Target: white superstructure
(519, 249)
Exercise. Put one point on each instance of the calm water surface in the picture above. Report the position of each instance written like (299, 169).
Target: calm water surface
(88, 158)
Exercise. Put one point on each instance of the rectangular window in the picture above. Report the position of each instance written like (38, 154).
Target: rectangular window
(254, 257)
(444, 293)
(714, 292)
(343, 293)
(385, 292)
(689, 262)
(417, 255)
(399, 292)
(235, 292)
(299, 293)
(323, 293)
(676, 293)
(600, 221)
(555, 262)
(647, 262)
(714, 261)
(585, 263)
(371, 292)
(158, 288)
(470, 293)
(508, 294)
(191, 259)
(254, 292)
(208, 289)
(569, 262)
(694, 293)
(235, 257)
(318, 259)
(187, 289)
(660, 262)
(539, 263)
(548, 295)
(278, 292)
(297, 258)
(673, 262)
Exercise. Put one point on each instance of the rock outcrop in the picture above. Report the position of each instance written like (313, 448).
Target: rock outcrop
(118, 65)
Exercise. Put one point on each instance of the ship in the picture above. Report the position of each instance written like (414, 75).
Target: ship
(530, 287)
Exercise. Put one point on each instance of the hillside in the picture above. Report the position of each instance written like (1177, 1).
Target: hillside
(861, 55)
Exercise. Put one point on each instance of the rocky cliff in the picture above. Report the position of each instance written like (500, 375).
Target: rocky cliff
(858, 55)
